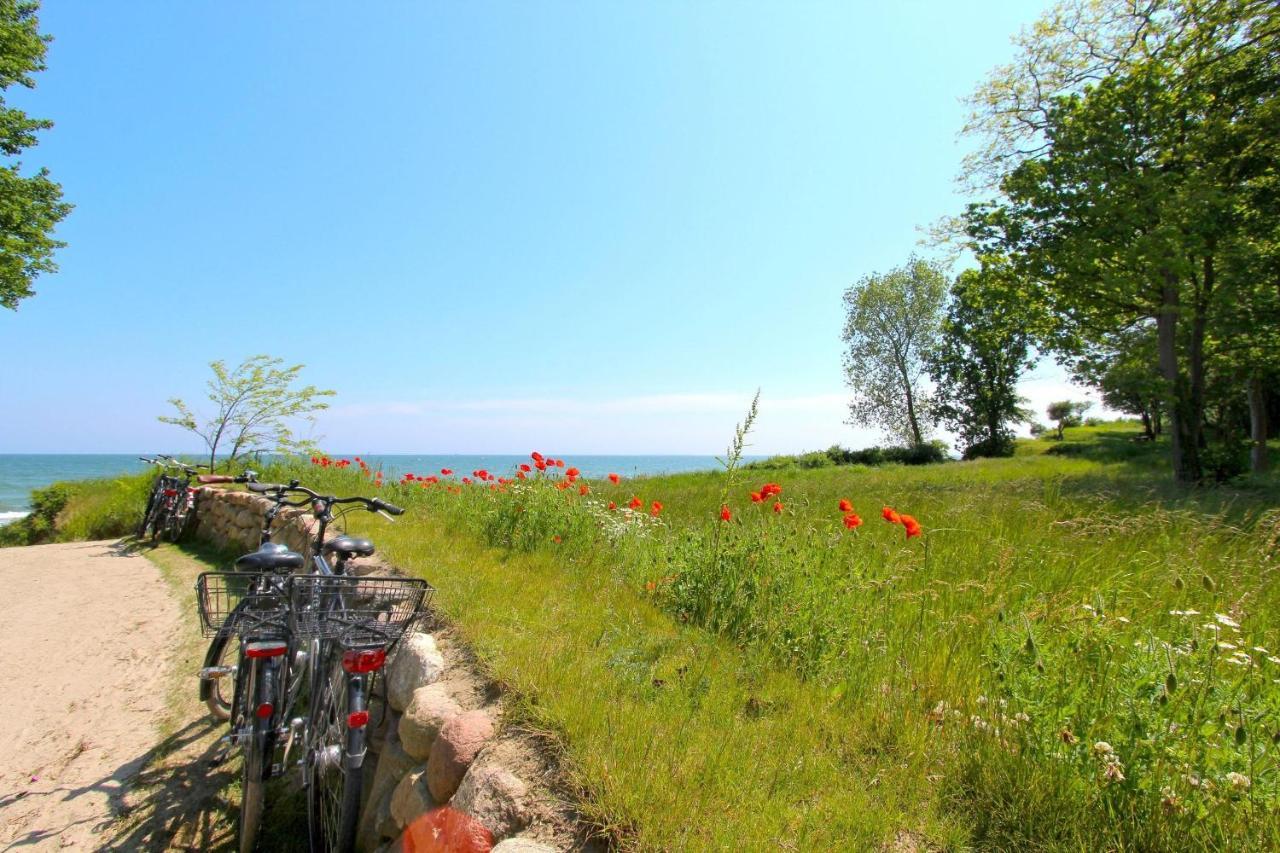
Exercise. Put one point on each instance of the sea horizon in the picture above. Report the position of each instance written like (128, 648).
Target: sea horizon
(22, 473)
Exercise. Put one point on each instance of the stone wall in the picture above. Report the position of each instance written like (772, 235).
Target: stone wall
(439, 756)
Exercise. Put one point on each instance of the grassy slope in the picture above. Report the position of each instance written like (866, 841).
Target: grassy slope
(682, 739)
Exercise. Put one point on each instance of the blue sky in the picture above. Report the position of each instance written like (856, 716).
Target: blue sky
(489, 227)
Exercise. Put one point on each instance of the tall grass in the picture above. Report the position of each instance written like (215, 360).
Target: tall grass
(82, 510)
(1075, 654)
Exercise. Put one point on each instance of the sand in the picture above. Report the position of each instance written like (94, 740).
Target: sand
(86, 636)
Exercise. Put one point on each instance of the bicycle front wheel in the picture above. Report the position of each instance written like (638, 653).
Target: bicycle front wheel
(334, 757)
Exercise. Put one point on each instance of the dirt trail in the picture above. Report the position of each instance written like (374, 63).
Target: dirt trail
(87, 635)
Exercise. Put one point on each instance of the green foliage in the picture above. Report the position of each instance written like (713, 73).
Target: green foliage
(893, 322)
(253, 405)
(1134, 153)
(30, 206)
(85, 510)
(975, 367)
(926, 454)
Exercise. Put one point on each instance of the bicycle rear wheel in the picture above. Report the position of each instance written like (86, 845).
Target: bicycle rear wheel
(218, 691)
(334, 784)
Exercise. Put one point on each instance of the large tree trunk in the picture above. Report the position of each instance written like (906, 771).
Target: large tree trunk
(912, 420)
(1183, 435)
(1257, 425)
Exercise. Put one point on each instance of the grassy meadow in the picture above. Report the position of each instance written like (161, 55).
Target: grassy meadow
(1074, 654)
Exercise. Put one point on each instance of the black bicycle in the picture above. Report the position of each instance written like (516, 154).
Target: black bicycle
(321, 636)
(171, 502)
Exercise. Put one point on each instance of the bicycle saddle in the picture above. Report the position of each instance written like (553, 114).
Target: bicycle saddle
(349, 546)
(270, 558)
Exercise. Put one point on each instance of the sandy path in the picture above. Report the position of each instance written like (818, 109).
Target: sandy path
(86, 636)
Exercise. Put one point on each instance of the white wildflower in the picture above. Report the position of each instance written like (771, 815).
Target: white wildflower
(1260, 650)
(1184, 612)
(1224, 619)
(1223, 644)
(1273, 658)
(1113, 772)
(1122, 619)
(1239, 781)
(1103, 748)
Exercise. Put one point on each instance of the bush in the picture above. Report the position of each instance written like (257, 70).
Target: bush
(927, 454)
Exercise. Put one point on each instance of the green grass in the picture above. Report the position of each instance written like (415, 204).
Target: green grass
(83, 510)
(785, 681)
(778, 680)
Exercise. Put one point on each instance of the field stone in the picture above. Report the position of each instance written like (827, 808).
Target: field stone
(429, 709)
(393, 765)
(521, 845)
(495, 796)
(417, 663)
(457, 745)
(411, 797)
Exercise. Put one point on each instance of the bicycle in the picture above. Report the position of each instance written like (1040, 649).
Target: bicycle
(336, 633)
(171, 503)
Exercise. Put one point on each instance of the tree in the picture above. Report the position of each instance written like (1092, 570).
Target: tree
(1065, 413)
(1124, 372)
(252, 407)
(1131, 140)
(30, 207)
(975, 368)
(893, 322)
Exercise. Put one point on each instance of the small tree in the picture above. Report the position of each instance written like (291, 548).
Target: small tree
(1065, 413)
(893, 322)
(252, 406)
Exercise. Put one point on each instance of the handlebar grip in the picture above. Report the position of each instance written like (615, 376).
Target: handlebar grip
(215, 478)
(386, 507)
(264, 487)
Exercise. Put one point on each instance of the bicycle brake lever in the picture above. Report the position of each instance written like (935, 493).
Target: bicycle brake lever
(386, 515)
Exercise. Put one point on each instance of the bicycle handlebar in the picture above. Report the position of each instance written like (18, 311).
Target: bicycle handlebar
(280, 490)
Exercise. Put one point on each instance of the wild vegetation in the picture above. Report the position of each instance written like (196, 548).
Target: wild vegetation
(1057, 649)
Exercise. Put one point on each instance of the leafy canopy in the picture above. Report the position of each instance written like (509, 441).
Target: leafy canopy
(253, 405)
(30, 206)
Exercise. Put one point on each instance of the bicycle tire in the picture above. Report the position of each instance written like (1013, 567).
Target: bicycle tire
(334, 787)
(146, 514)
(256, 767)
(218, 694)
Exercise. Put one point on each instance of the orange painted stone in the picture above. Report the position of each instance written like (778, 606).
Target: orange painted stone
(445, 830)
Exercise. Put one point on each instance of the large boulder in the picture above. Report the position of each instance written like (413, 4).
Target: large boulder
(417, 663)
(495, 796)
(445, 830)
(429, 709)
(457, 745)
(393, 765)
(411, 798)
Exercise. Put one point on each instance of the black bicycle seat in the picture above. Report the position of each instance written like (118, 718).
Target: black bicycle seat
(270, 558)
(349, 546)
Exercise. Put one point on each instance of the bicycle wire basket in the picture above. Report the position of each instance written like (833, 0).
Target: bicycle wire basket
(237, 602)
(356, 611)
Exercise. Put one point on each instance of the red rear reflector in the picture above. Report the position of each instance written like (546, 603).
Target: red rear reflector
(265, 650)
(264, 710)
(357, 719)
(363, 660)
(170, 493)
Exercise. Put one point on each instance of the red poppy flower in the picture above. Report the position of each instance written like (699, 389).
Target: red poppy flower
(656, 508)
(446, 471)
(466, 480)
(612, 505)
(912, 526)
(536, 456)
(520, 474)
(725, 515)
(650, 586)
(890, 515)
(636, 503)
(777, 507)
(555, 539)
(559, 463)
(572, 472)
(757, 498)
(524, 466)
(540, 465)
(846, 505)
(852, 520)
(583, 489)
(770, 489)
(615, 479)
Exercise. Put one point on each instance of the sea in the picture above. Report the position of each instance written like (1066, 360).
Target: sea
(20, 473)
